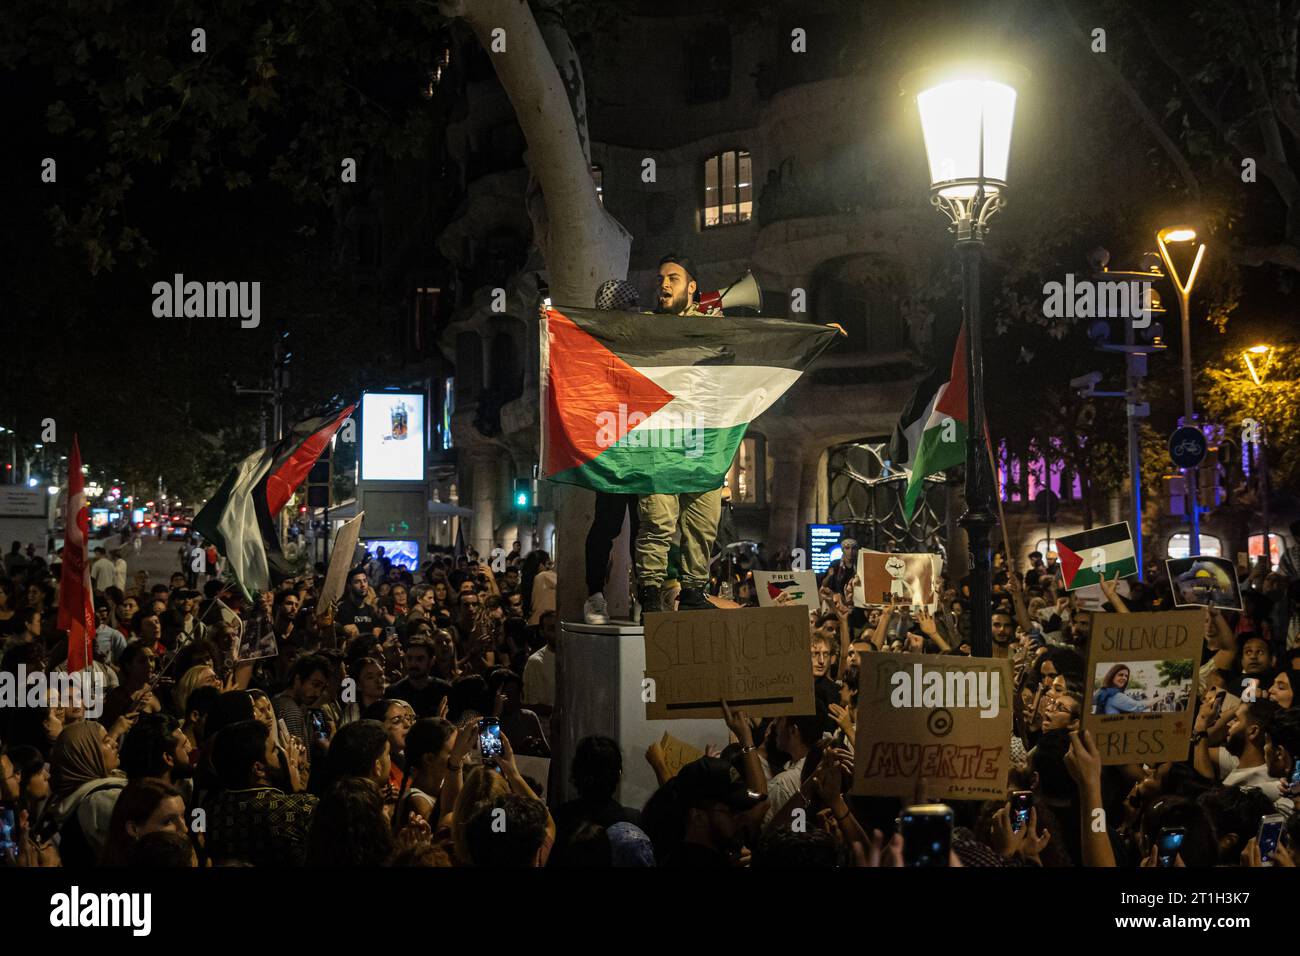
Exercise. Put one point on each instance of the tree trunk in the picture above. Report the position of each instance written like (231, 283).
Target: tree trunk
(581, 243)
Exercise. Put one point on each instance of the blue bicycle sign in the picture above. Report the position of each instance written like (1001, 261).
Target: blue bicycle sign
(1187, 447)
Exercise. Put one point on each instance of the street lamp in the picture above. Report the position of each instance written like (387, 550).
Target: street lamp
(967, 112)
(1263, 354)
(1163, 237)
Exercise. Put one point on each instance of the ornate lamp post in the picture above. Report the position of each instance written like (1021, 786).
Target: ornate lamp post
(967, 113)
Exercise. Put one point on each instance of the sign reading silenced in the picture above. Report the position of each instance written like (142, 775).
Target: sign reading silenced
(1142, 675)
(757, 659)
(944, 722)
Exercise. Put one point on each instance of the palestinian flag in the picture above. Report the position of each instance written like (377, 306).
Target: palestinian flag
(240, 518)
(931, 434)
(648, 404)
(1089, 556)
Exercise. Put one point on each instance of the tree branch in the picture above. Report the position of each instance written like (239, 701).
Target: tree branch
(1282, 254)
(1118, 80)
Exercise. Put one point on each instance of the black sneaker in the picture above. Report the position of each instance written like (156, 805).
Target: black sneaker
(649, 600)
(693, 599)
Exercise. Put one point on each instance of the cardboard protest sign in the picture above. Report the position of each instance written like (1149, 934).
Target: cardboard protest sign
(801, 586)
(539, 768)
(946, 720)
(1090, 556)
(341, 558)
(1141, 682)
(257, 640)
(907, 578)
(1203, 581)
(758, 659)
(677, 753)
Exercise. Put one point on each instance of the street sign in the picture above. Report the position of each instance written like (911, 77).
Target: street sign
(1187, 447)
(1046, 503)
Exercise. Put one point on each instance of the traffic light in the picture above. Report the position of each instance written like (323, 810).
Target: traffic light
(523, 497)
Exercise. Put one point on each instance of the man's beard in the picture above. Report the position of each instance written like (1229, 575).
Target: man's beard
(675, 306)
(1236, 745)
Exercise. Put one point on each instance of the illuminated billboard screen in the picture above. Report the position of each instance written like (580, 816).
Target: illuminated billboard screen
(403, 554)
(392, 437)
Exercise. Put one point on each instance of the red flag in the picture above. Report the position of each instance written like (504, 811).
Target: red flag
(76, 602)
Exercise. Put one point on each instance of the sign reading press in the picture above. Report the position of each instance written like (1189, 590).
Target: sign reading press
(755, 658)
(1142, 674)
(942, 720)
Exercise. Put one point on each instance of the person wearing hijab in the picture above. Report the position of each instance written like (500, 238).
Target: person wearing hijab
(85, 784)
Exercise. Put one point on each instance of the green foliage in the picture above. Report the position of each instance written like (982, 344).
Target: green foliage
(1174, 672)
(285, 100)
(1230, 395)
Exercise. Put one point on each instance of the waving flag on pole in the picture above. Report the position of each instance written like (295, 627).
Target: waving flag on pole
(240, 517)
(646, 404)
(930, 438)
(76, 601)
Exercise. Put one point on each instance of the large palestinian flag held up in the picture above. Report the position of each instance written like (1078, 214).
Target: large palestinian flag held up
(1089, 556)
(931, 433)
(649, 404)
(240, 517)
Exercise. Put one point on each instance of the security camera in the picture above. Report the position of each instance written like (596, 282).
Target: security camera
(1086, 383)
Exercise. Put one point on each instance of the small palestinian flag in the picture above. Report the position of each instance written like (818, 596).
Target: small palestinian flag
(931, 433)
(240, 517)
(1089, 556)
(653, 404)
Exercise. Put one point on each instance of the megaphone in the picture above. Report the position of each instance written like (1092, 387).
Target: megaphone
(743, 293)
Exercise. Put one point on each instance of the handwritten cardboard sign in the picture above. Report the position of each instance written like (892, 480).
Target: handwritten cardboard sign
(757, 659)
(1142, 677)
(942, 720)
(905, 578)
(677, 753)
(801, 586)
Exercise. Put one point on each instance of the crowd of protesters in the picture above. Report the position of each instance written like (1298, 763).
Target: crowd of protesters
(354, 735)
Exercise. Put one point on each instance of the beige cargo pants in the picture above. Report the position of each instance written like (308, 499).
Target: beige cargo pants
(696, 514)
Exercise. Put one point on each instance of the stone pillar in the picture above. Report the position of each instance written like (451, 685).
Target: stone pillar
(487, 485)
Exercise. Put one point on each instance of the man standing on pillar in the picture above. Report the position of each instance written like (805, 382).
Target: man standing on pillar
(695, 514)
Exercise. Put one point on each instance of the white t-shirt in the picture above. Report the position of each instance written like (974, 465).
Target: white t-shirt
(781, 788)
(103, 574)
(1256, 777)
(119, 574)
(539, 679)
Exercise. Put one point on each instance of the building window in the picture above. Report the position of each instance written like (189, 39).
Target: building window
(746, 476)
(1255, 548)
(598, 177)
(728, 189)
(1211, 546)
